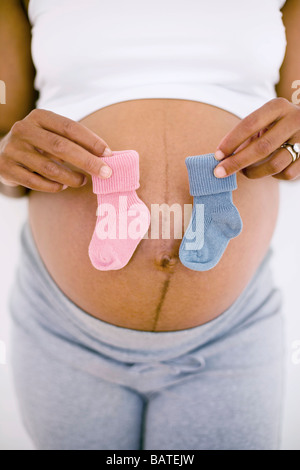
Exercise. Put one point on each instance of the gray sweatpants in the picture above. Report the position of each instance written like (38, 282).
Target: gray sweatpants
(85, 384)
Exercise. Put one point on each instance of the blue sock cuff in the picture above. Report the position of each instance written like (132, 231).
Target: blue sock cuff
(202, 179)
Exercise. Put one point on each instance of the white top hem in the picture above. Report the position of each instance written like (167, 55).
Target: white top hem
(213, 95)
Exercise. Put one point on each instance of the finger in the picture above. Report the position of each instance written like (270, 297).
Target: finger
(23, 177)
(59, 160)
(71, 130)
(291, 173)
(50, 169)
(258, 150)
(246, 143)
(252, 124)
(7, 182)
(274, 165)
(256, 136)
(60, 147)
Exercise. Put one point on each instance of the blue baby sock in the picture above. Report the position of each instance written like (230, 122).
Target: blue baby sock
(215, 219)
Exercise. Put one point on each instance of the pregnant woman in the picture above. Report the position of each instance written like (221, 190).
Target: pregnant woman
(154, 355)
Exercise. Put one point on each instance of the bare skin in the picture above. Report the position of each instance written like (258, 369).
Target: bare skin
(155, 291)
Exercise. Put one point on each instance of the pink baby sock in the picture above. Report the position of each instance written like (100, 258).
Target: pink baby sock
(122, 218)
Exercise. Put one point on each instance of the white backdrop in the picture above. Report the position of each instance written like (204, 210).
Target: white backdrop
(286, 263)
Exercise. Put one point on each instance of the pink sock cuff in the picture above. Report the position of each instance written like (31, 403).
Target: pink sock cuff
(125, 176)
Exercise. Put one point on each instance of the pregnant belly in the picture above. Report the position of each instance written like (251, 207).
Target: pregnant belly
(154, 291)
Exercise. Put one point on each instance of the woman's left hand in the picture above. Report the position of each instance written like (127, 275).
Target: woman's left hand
(254, 144)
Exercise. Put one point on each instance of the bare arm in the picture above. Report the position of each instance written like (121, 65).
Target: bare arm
(39, 151)
(254, 144)
(17, 72)
(290, 70)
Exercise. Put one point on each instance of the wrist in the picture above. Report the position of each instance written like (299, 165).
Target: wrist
(13, 191)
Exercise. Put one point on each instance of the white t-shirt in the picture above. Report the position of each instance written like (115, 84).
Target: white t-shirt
(90, 54)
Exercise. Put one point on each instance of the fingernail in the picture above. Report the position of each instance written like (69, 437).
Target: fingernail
(84, 181)
(105, 171)
(64, 187)
(107, 152)
(219, 155)
(220, 172)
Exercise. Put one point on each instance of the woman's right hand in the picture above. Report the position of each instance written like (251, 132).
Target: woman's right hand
(47, 152)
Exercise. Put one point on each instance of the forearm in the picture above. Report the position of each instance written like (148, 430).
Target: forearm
(12, 191)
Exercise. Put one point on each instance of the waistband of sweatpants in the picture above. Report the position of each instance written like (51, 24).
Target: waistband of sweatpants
(35, 277)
